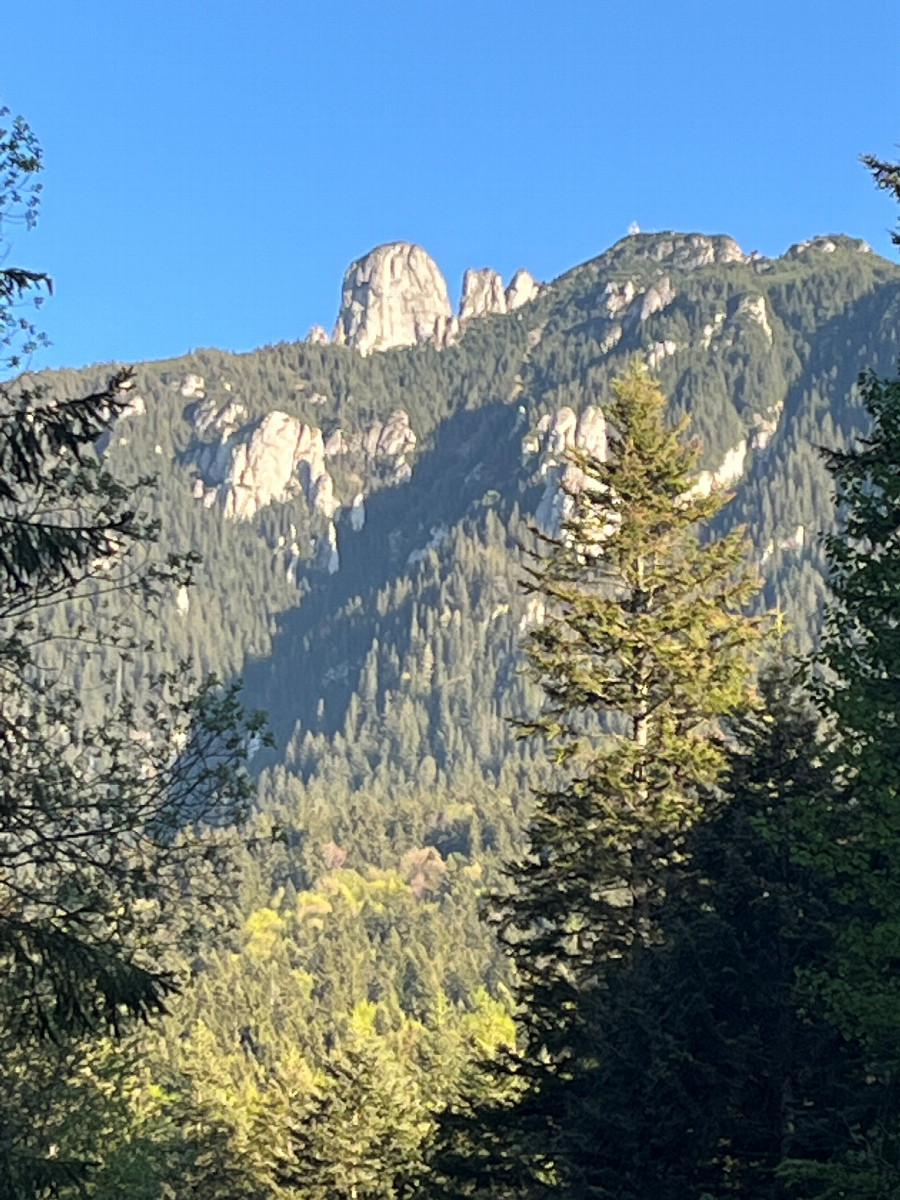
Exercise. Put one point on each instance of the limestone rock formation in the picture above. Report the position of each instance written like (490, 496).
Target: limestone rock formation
(318, 336)
(192, 387)
(241, 466)
(393, 296)
(688, 251)
(659, 351)
(730, 470)
(250, 466)
(522, 288)
(626, 300)
(327, 557)
(656, 298)
(618, 296)
(764, 426)
(482, 293)
(394, 437)
(556, 434)
(212, 419)
(358, 512)
(754, 307)
(136, 407)
(261, 467)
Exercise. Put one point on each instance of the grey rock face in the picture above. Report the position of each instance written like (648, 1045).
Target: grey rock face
(242, 467)
(393, 296)
(558, 433)
(482, 294)
(522, 288)
(657, 298)
(754, 308)
(192, 387)
(687, 251)
(317, 336)
(268, 459)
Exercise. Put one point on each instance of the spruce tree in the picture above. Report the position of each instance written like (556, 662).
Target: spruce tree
(707, 1071)
(855, 839)
(107, 848)
(644, 648)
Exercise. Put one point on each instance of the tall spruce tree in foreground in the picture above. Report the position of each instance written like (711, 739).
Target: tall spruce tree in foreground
(645, 646)
(856, 840)
(706, 1071)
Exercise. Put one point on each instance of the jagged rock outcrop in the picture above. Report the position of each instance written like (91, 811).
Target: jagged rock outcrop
(327, 557)
(793, 541)
(136, 407)
(557, 432)
(192, 387)
(554, 435)
(728, 472)
(318, 336)
(688, 251)
(625, 300)
(617, 297)
(394, 296)
(754, 308)
(764, 426)
(271, 458)
(335, 444)
(482, 294)
(390, 439)
(660, 351)
(656, 298)
(242, 466)
(262, 466)
(358, 512)
(210, 419)
(523, 287)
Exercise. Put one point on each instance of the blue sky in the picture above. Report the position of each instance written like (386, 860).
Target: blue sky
(212, 166)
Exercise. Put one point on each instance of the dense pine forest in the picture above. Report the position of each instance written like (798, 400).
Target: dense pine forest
(492, 794)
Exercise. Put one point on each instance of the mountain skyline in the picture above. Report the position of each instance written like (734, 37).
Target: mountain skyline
(211, 170)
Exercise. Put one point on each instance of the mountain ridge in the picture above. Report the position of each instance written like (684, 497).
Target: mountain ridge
(413, 474)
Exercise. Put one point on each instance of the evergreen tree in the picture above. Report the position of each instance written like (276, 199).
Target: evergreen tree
(856, 839)
(105, 826)
(643, 650)
(708, 1073)
(359, 1136)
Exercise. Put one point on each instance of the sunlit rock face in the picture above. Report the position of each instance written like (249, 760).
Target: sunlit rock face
(482, 294)
(252, 465)
(689, 251)
(522, 288)
(394, 296)
(553, 437)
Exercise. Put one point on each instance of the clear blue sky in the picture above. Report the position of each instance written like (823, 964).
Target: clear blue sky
(212, 166)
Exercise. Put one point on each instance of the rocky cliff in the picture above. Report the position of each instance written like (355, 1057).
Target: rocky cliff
(359, 514)
(396, 296)
(393, 296)
(241, 466)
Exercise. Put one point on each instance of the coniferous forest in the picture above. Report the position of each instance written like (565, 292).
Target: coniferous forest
(516, 815)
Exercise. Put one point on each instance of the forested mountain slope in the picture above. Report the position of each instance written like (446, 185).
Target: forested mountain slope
(359, 516)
